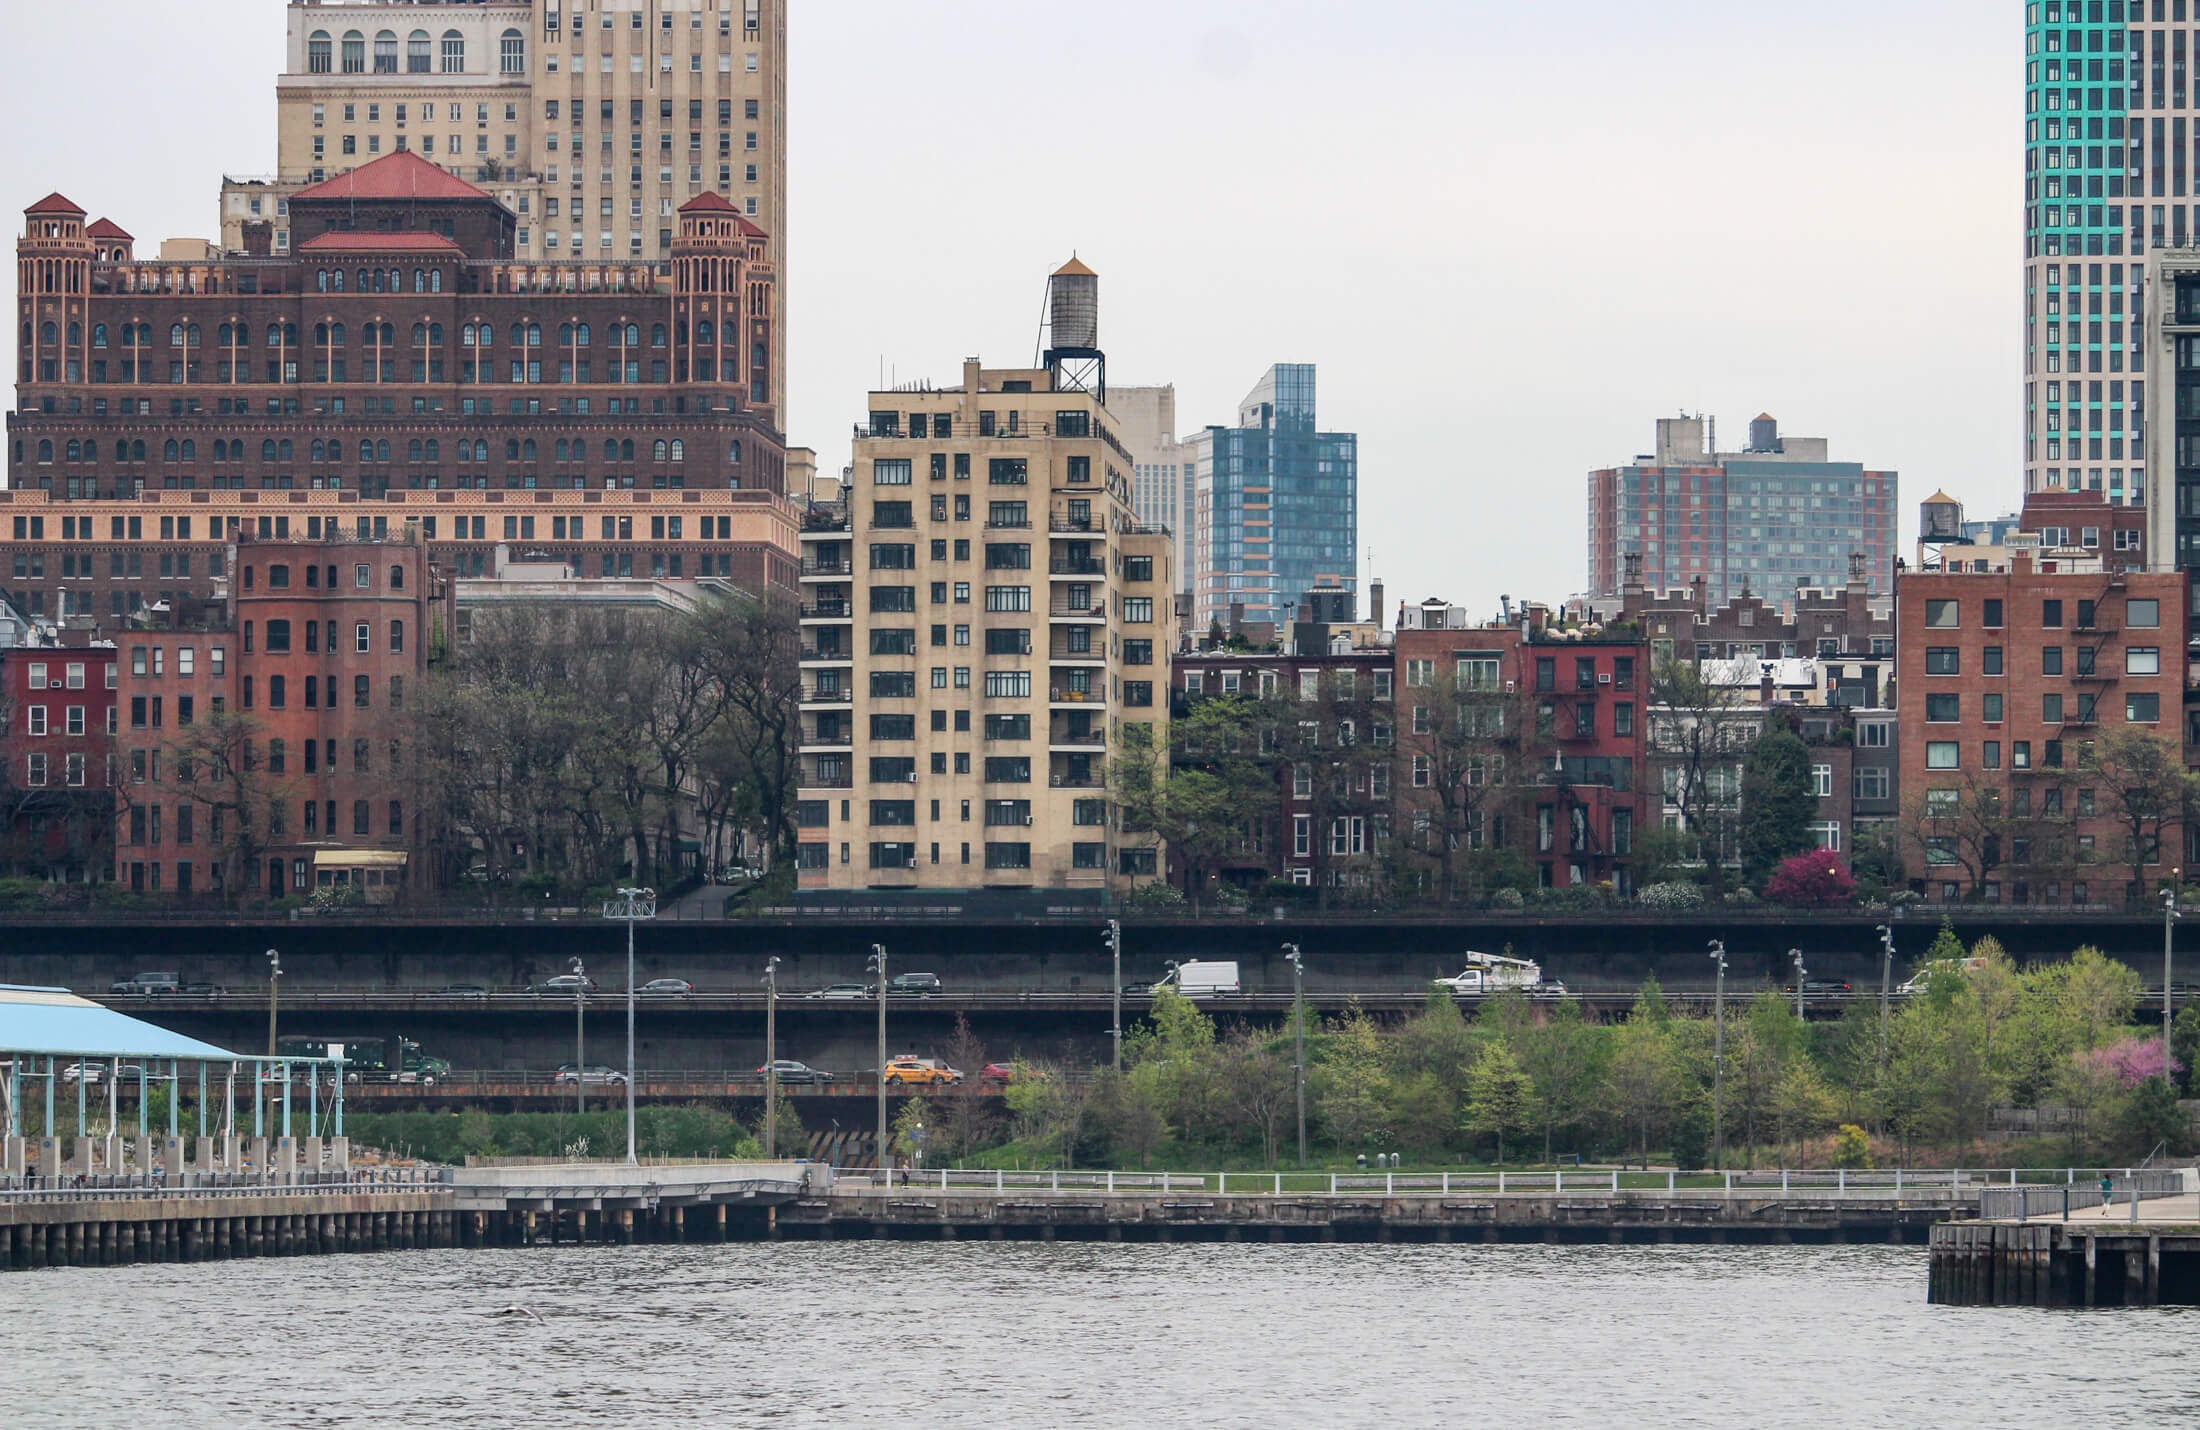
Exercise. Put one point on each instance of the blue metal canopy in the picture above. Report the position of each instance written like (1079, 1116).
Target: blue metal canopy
(55, 1021)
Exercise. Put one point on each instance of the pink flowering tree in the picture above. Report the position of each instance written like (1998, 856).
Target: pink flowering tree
(1815, 879)
(2133, 1061)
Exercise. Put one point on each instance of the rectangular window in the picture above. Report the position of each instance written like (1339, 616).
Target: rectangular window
(2142, 707)
(1940, 755)
(2142, 660)
(1990, 660)
(1943, 708)
(1943, 660)
(1941, 615)
(2142, 615)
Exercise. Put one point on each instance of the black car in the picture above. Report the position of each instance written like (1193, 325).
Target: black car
(1821, 987)
(904, 985)
(791, 1071)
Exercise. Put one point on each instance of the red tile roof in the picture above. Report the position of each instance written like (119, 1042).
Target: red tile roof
(106, 228)
(341, 241)
(54, 204)
(403, 175)
(708, 202)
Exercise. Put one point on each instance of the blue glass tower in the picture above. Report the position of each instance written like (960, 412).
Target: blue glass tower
(1279, 504)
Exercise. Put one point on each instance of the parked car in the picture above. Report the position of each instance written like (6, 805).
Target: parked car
(566, 983)
(667, 985)
(996, 1072)
(792, 1071)
(920, 1070)
(1552, 989)
(593, 1075)
(913, 985)
(148, 983)
(840, 990)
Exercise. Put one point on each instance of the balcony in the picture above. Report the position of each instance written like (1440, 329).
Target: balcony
(827, 566)
(1087, 781)
(826, 657)
(1077, 611)
(1087, 525)
(828, 781)
(827, 610)
(1074, 741)
(813, 696)
(819, 740)
(825, 519)
(1077, 657)
(1077, 566)
(1058, 695)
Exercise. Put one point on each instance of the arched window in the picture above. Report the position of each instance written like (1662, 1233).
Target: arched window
(317, 52)
(519, 335)
(511, 449)
(175, 335)
(336, 334)
(611, 449)
(336, 279)
(418, 52)
(733, 453)
(91, 451)
(412, 450)
(267, 449)
(481, 450)
(243, 335)
(49, 333)
(76, 450)
(320, 450)
(435, 450)
(420, 334)
(366, 282)
(137, 451)
(190, 450)
(560, 449)
(168, 450)
(512, 52)
(704, 333)
(679, 450)
(580, 334)
(284, 447)
(626, 450)
(191, 335)
(527, 450)
(99, 335)
(382, 450)
(633, 335)
(454, 52)
(657, 450)
(534, 335)
(221, 450)
(76, 334)
(355, 52)
(656, 335)
(45, 449)
(435, 280)
(385, 52)
(276, 692)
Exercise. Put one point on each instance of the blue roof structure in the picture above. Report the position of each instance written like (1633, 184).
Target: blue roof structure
(57, 1022)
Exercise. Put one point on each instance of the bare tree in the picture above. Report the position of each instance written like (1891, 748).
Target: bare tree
(1471, 747)
(2146, 789)
(1699, 731)
(1963, 821)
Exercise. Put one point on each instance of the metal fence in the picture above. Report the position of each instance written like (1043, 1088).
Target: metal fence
(1937, 1184)
(222, 1184)
(2078, 1194)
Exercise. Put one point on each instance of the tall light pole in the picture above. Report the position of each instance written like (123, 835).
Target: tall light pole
(1298, 1023)
(2169, 922)
(580, 1055)
(1795, 956)
(1113, 938)
(877, 965)
(771, 1057)
(632, 906)
(1718, 1056)
(274, 972)
(1886, 984)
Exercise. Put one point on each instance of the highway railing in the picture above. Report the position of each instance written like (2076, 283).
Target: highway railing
(1938, 1184)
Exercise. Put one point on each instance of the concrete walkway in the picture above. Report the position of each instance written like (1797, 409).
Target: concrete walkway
(2085, 1206)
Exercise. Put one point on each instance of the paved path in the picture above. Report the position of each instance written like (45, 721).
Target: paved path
(2182, 1210)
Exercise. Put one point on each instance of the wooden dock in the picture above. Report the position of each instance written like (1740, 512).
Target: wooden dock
(2096, 1256)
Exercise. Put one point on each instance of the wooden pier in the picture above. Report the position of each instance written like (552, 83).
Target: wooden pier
(2098, 1256)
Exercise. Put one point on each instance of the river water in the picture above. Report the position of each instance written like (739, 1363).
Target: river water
(978, 1335)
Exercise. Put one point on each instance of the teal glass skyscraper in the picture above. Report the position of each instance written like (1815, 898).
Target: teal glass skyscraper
(1279, 504)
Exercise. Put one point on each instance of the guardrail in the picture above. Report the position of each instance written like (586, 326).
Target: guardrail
(381, 1181)
(2074, 1193)
(1940, 1183)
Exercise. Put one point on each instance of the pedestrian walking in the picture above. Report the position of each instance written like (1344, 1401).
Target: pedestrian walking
(2108, 1191)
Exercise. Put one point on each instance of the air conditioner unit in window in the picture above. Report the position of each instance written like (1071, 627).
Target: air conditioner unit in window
(1604, 680)
(912, 777)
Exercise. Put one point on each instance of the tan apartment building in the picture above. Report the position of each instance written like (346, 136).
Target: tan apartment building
(593, 121)
(983, 618)
(1163, 469)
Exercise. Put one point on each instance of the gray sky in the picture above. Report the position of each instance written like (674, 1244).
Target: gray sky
(1511, 235)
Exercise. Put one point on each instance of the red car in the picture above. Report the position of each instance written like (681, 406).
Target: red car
(997, 1072)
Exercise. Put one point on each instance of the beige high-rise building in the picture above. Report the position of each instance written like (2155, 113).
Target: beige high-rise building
(592, 120)
(1163, 470)
(984, 617)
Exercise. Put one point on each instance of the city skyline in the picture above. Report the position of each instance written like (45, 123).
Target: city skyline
(1464, 312)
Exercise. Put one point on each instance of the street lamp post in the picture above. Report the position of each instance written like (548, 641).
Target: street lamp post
(877, 965)
(632, 906)
(1886, 986)
(2169, 922)
(580, 1053)
(1795, 956)
(1113, 938)
(771, 1056)
(1718, 1056)
(1298, 1023)
(274, 971)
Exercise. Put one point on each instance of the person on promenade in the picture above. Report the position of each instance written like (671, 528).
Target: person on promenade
(2108, 1191)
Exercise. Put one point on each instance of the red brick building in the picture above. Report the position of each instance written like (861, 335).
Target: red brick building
(2011, 684)
(56, 761)
(267, 743)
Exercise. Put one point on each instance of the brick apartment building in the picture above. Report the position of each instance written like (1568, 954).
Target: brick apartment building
(57, 706)
(266, 744)
(612, 416)
(2008, 679)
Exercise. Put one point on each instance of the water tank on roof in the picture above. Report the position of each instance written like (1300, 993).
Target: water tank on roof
(1073, 306)
(1764, 433)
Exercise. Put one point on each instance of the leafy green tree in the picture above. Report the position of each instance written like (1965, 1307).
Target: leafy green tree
(1803, 1105)
(1207, 792)
(1257, 1085)
(1134, 1124)
(1500, 1097)
(1761, 1048)
(1647, 1083)
(1351, 1086)
(1561, 1056)
(1047, 1105)
(1778, 801)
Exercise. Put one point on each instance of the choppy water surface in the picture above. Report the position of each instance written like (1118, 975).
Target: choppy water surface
(989, 1335)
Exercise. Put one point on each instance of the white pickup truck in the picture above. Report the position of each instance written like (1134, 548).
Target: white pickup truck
(1488, 973)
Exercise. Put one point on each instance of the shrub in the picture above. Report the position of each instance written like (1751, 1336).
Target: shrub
(1851, 1148)
(1673, 896)
(1153, 897)
(1508, 899)
(1811, 880)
